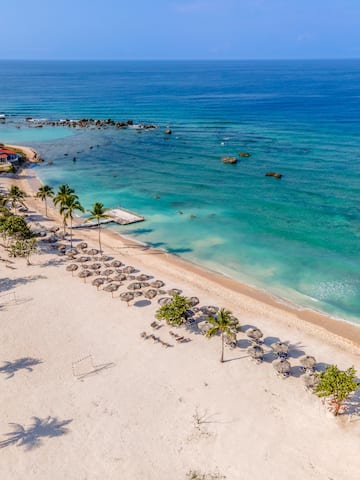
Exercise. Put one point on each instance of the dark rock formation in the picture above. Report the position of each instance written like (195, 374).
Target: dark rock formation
(273, 174)
(229, 160)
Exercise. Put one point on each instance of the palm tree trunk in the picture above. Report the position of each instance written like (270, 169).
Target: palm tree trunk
(222, 347)
(99, 234)
(70, 232)
(45, 208)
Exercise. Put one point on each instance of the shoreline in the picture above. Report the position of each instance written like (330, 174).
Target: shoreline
(339, 331)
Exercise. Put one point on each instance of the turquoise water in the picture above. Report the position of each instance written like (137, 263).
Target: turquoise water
(297, 238)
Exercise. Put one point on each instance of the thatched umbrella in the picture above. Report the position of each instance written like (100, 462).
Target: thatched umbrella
(97, 282)
(157, 284)
(92, 251)
(120, 277)
(150, 294)
(164, 300)
(143, 277)
(256, 352)
(83, 259)
(137, 293)
(112, 287)
(61, 248)
(84, 274)
(116, 264)
(144, 284)
(282, 366)
(209, 310)
(134, 286)
(311, 381)
(95, 266)
(308, 362)
(72, 252)
(107, 272)
(105, 258)
(126, 297)
(193, 301)
(129, 269)
(280, 348)
(54, 229)
(174, 291)
(255, 334)
(83, 245)
(72, 268)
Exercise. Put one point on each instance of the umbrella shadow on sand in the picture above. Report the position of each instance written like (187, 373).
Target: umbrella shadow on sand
(32, 437)
(26, 363)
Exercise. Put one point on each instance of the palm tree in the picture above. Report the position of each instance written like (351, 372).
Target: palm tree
(222, 323)
(67, 209)
(97, 213)
(43, 193)
(15, 195)
(61, 197)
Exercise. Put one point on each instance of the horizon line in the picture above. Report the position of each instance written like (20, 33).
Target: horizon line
(174, 59)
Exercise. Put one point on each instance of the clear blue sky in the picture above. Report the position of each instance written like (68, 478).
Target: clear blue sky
(179, 29)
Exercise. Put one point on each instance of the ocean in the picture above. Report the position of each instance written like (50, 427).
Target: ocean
(297, 238)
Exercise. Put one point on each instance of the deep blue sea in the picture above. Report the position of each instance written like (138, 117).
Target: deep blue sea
(298, 237)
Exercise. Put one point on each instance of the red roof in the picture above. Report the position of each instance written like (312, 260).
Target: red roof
(3, 155)
(8, 152)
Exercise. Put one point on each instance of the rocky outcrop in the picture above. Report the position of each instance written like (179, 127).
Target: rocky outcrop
(273, 174)
(229, 159)
(244, 154)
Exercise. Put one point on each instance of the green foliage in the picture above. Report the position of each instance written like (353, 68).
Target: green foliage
(223, 323)
(16, 196)
(63, 193)
(337, 385)
(68, 208)
(14, 226)
(174, 313)
(97, 213)
(23, 248)
(44, 192)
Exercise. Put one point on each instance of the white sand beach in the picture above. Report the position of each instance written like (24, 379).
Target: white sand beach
(93, 400)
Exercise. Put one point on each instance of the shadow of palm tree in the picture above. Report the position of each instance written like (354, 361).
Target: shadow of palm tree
(10, 283)
(32, 437)
(26, 363)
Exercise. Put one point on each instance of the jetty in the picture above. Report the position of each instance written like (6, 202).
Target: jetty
(117, 215)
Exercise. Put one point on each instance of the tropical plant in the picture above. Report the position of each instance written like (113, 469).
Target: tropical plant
(61, 197)
(67, 210)
(336, 384)
(174, 312)
(62, 194)
(23, 248)
(14, 227)
(97, 213)
(222, 324)
(44, 192)
(16, 196)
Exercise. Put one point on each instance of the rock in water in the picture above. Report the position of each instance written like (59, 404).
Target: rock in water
(229, 160)
(273, 174)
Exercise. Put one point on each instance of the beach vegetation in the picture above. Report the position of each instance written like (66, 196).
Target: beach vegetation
(174, 312)
(67, 210)
(16, 197)
(62, 195)
(14, 227)
(44, 192)
(221, 323)
(23, 248)
(337, 386)
(97, 213)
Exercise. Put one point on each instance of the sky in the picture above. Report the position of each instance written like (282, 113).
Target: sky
(179, 29)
